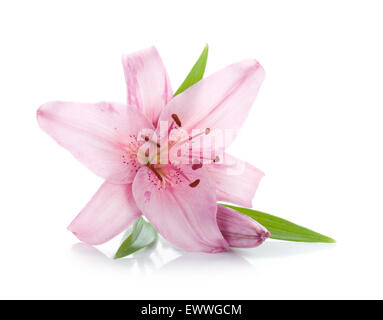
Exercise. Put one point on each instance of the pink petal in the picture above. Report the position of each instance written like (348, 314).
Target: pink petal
(99, 135)
(111, 210)
(184, 212)
(220, 101)
(147, 82)
(236, 181)
(240, 231)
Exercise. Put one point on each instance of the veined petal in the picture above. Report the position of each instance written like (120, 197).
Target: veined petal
(220, 101)
(184, 210)
(102, 136)
(111, 210)
(147, 82)
(236, 181)
(240, 231)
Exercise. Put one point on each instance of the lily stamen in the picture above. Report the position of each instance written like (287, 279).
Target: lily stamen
(147, 139)
(190, 138)
(155, 172)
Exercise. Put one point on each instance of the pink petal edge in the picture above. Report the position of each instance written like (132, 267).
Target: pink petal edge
(99, 135)
(147, 82)
(236, 180)
(111, 210)
(184, 215)
(220, 101)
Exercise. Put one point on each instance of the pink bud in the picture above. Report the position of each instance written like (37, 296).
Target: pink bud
(240, 231)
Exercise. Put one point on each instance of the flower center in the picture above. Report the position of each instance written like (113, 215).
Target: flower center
(165, 171)
(169, 175)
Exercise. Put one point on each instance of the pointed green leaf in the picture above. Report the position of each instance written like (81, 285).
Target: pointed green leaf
(282, 229)
(196, 73)
(143, 235)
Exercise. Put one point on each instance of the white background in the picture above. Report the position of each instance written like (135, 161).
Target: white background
(315, 130)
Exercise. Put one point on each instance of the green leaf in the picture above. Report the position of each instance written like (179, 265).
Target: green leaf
(282, 229)
(142, 235)
(196, 73)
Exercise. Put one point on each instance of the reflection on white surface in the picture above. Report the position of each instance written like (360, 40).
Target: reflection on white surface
(205, 262)
(280, 249)
(162, 258)
(141, 260)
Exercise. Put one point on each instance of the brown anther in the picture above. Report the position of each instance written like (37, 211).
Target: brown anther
(207, 130)
(216, 159)
(194, 183)
(146, 138)
(176, 119)
(196, 166)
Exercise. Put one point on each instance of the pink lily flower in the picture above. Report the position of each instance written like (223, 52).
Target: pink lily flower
(179, 200)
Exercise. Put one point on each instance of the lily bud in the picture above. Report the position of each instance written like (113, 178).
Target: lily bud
(240, 231)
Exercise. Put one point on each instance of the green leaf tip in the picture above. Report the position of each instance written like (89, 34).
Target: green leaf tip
(141, 236)
(282, 229)
(196, 73)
